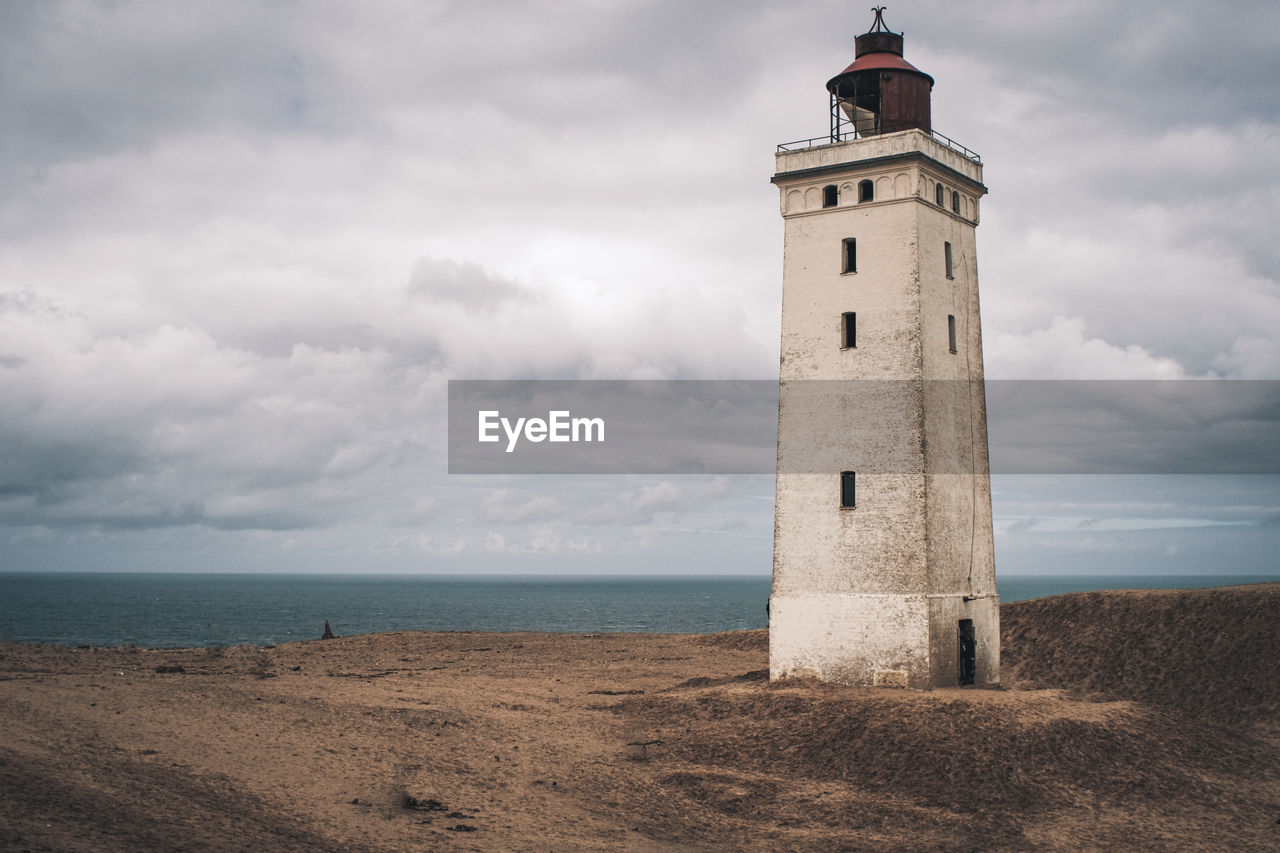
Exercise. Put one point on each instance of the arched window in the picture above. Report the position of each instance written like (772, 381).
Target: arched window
(866, 191)
(955, 201)
(938, 196)
(830, 195)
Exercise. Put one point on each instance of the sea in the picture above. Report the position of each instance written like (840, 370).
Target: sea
(194, 610)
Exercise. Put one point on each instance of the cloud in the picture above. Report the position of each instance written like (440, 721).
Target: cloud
(509, 505)
(1062, 351)
(651, 501)
(1021, 525)
(464, 284)
(243, 247)
(541, 543)
(170, 427)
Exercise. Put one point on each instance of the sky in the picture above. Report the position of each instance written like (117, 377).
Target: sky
(244, 245)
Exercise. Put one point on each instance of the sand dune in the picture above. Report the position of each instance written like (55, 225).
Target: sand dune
(1130, 720)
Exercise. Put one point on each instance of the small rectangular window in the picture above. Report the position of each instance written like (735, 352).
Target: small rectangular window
(850, 329)
(951, 331)
(946, 248)
(848, 493)
(850, 255)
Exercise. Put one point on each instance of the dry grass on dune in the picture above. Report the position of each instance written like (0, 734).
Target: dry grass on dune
(916, 763)
(1210, 653)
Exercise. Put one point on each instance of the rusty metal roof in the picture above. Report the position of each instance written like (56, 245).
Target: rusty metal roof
(882, 62)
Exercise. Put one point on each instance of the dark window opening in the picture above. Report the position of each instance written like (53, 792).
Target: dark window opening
(939, 196)
(866, 191)
(951, 331)
(946, 248)
(848, 492)
(968, 652)
(850, 329)
(830, 195)
(955, 201)
(850, 255)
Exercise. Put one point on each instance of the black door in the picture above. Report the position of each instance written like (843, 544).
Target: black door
(968, 651)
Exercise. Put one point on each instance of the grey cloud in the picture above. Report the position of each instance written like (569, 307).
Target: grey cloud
(29, 303)
(84, 78)
(277, 340)
(518, 507)
(651, 499)
(1180, 62)
(46, 467)
(159, 513)
(1022, 525)
(539, 542)
(613, 64)
(283, 521)
(1236, 499)
(171, 429)
(1142, 139)
(130, 519)
(1198, 551)
(464, 284)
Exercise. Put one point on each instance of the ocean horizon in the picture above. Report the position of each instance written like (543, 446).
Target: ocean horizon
(181, 610)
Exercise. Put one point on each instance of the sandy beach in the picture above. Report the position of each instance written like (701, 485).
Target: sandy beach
(1128, 720)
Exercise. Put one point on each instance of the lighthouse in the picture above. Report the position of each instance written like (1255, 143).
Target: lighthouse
(883, 562)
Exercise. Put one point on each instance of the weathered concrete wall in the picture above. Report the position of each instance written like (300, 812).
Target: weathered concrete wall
(851, 639)
(875, 592)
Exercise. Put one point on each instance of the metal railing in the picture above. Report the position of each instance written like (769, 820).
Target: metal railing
(818, 141)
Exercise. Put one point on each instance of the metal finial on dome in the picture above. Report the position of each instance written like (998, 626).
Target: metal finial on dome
(878, 39)
(879, 26)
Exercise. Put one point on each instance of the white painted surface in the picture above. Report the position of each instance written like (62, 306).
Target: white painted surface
(880, 587)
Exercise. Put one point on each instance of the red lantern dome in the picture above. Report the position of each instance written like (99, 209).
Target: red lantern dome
(880, 92)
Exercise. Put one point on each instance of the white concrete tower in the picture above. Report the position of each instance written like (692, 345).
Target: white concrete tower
(883, 560)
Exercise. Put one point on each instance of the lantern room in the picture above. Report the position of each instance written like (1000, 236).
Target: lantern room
(880, 92)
